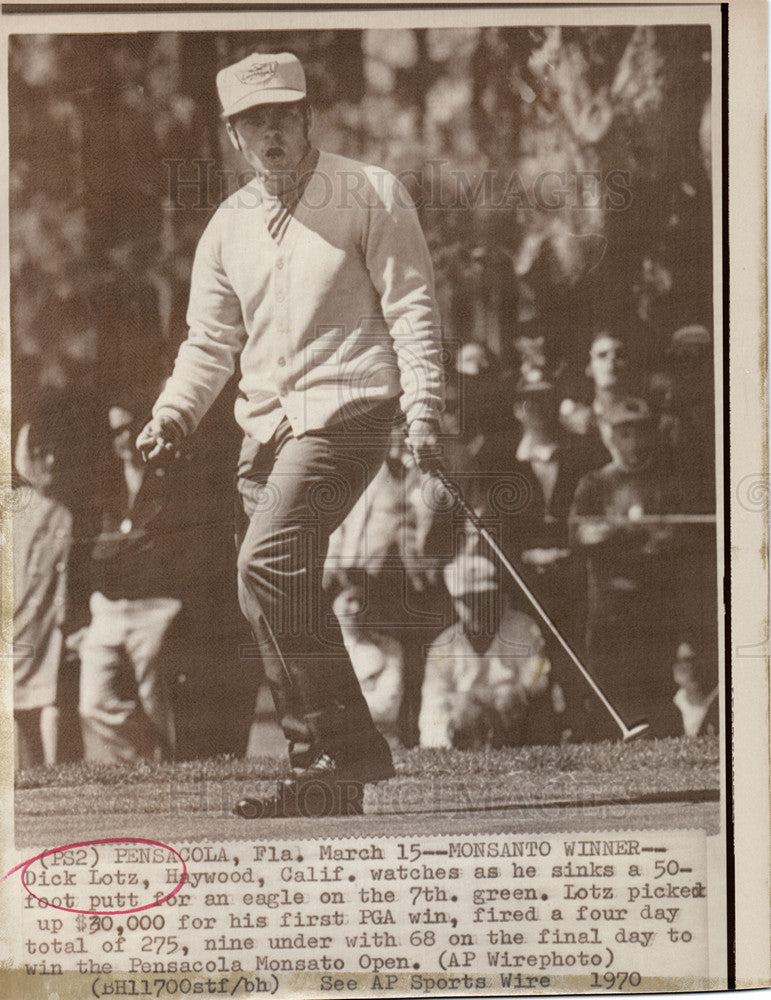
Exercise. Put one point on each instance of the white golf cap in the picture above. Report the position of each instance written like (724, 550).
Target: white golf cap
(261, 78)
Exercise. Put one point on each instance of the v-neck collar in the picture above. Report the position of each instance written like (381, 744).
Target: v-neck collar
(293, 207)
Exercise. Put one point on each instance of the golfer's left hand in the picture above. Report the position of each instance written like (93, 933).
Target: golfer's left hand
(423, 442)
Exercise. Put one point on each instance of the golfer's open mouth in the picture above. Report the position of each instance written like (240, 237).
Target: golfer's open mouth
(274, 152)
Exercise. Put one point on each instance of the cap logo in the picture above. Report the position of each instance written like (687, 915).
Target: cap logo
(258, 73)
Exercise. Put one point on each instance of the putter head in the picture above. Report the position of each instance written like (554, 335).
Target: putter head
(636, 730)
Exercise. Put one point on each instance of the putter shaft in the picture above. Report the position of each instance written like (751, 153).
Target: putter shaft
(627, 732)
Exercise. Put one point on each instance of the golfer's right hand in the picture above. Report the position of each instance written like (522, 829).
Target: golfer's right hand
(161, 437)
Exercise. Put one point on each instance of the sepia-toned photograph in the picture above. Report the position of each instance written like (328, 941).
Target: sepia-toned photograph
(378, 428)
(368, 470)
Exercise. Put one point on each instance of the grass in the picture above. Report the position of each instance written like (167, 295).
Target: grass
(574, 772)
(667, 761)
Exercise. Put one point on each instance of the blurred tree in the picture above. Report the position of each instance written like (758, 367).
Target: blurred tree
(560, 173)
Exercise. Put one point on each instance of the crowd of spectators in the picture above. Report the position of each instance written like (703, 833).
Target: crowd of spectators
(598, 484)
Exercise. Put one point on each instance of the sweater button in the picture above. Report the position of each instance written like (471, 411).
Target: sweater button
(280, 263)
(282, 361)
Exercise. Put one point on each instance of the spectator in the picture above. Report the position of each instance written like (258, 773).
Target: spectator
(608, 370)
(42, 537)
(631, 565)
(689, 410)
(138, 578)
(554, 462)
(383, 529)
(697, 697)
(486, 680)
(376, 657)
(484, 425)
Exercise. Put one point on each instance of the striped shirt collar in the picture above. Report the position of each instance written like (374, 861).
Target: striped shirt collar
(291, 194)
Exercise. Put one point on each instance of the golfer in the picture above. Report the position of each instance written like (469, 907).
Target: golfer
(315, 278)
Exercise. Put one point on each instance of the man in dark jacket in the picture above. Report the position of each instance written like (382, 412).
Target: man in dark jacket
(137, 580)
(619, 519)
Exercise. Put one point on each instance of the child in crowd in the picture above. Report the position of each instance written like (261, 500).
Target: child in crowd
(42, 537)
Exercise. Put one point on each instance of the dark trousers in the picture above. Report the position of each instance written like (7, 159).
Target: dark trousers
(295, 492)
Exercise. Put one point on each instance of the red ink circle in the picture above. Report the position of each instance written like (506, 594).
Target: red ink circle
(91, 843)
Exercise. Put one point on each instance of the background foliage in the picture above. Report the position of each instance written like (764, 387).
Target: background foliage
(105, 127)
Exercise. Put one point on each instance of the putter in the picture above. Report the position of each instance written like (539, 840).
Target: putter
(627, 732)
